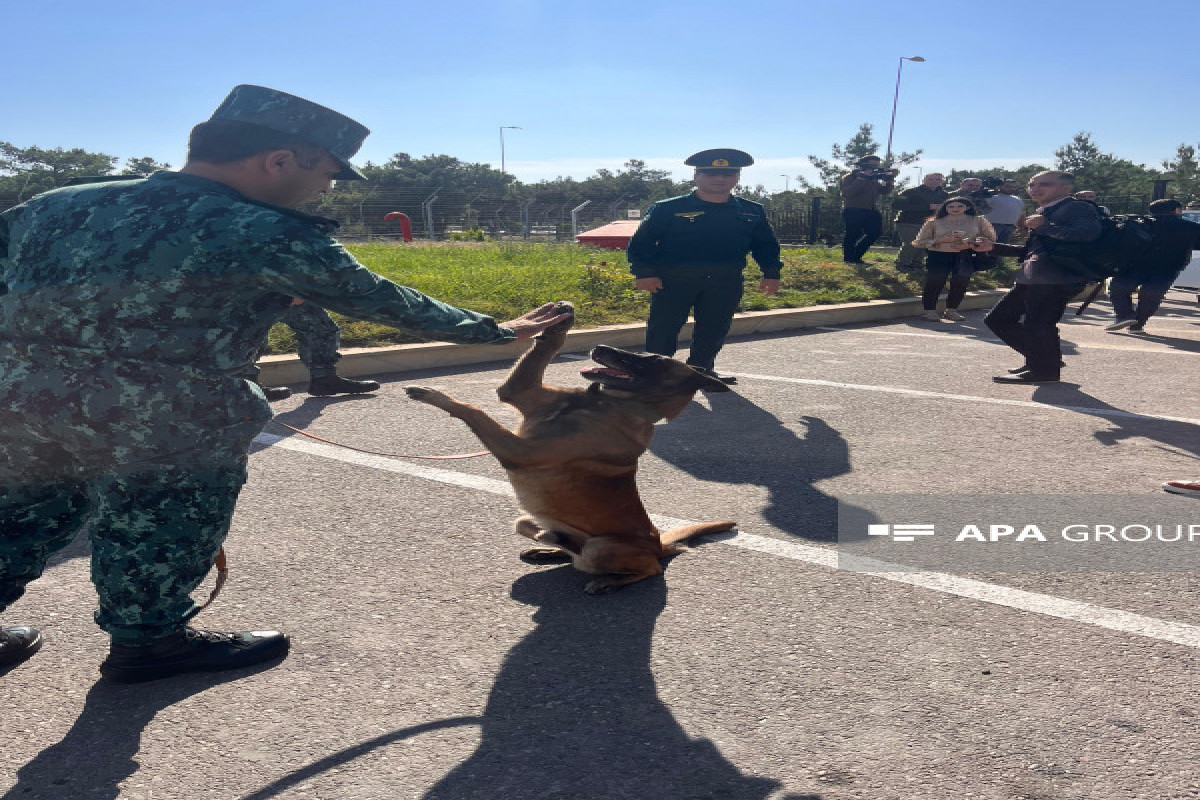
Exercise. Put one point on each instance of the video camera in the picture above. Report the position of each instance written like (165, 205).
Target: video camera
(879, 173)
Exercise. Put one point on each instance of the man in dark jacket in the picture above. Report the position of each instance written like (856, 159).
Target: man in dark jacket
(689, 253)
(1152, 274)
(914, 206)
(1051, 273)
(861, 189)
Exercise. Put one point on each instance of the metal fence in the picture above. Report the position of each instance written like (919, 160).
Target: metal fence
(440, 214)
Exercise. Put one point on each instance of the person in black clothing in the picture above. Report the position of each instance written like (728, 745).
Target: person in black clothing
(689, 253)
(1173, 239)
(1026, 318)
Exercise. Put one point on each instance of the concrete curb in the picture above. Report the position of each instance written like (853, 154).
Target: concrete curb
(358, 362)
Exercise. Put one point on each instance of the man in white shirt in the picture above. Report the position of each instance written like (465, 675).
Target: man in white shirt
(1007, 210)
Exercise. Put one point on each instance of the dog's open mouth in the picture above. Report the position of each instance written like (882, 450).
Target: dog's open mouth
(607, 375)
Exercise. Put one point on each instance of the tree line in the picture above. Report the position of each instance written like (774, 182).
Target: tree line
(26, 171)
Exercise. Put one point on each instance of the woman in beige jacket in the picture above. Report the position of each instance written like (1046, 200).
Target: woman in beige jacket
(947, 236)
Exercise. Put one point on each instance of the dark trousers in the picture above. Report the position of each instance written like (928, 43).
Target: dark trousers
(317, 340)
(1150, 292)
(1004, 232)
(1026, 319)
(713, 302)
(939, 267)
(863, 226)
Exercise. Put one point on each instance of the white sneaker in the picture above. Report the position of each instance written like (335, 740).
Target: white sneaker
(1190, 488)
(1120, 325)
(952, 315)
(932, 316)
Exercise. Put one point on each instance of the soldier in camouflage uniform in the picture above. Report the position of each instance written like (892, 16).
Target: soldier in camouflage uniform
(128, 311)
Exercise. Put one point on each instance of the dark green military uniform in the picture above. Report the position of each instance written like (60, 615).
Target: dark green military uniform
(128, 311)
(699, 251)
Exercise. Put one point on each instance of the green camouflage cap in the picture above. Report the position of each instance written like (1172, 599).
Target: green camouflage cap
(317, 125)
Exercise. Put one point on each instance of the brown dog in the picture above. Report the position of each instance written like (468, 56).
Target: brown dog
(573, 459)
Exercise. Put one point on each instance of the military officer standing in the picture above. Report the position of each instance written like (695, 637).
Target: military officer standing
(129, 312)
(689, 253)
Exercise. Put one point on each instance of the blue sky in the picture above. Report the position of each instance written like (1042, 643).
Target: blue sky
(592, 84)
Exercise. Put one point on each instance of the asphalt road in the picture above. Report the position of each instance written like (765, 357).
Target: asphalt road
(429, 662)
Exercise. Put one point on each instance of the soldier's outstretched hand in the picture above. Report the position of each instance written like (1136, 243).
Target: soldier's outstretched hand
(529, 325)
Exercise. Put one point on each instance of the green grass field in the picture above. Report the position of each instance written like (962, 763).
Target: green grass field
(505, 280)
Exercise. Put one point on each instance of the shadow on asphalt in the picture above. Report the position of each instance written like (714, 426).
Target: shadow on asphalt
(1180, 438)
(575, 712)
(762, 450)
(98, 753)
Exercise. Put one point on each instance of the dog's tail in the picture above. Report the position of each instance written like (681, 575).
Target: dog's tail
(671, 539)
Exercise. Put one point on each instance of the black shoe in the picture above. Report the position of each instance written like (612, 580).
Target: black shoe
(336, 384)
(1138, 327)
(1025, 368)
(1026, 377)
(729, 379)
(18, 643)
(191, 650)
(272, 393)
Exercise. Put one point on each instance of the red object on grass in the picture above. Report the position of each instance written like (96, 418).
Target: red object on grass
(405, 223)
(613, 236)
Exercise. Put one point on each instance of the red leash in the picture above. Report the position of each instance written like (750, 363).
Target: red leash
(375, 452)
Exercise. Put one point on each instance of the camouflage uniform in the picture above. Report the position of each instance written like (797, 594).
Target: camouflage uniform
(128, 311)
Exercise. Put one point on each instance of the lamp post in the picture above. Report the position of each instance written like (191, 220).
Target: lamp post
(502, 128)
(785, 182)
(896, 99)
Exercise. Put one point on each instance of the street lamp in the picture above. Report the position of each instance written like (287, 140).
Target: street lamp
(785, 182)
(895, 99)
(502, 127)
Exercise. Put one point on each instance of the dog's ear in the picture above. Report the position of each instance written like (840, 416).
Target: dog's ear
(567, 541)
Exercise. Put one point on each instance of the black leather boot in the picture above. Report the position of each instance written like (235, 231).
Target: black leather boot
(192, 650)
(336, 384)
(273, 393)
(18, 643)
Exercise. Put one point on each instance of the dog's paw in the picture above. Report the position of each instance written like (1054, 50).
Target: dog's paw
(560, 328)
(544, 555)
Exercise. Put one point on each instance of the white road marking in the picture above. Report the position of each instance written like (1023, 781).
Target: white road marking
(959, 338)
(969, 398)
(1020, 599)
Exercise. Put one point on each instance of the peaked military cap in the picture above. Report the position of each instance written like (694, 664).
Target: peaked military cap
(722, 159)
(316, 125)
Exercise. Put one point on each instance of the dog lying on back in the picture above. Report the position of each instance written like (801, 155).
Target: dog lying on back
(573, 459)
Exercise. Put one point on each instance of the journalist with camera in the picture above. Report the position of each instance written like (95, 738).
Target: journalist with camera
(860, 195)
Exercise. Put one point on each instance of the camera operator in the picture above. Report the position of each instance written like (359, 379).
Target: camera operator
(860, 193)
(914, 206)
(979, 194)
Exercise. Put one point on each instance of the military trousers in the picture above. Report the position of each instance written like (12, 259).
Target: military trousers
(712, 299)
(317, 339)
(155, 526)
